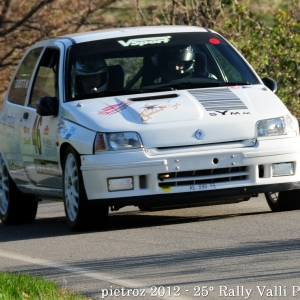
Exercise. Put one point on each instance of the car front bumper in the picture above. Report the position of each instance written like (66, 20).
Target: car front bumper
(192, 174)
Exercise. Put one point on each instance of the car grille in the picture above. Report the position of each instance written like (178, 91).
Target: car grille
(203, 176)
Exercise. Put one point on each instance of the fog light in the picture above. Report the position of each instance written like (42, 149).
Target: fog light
(283, 169)
(120, 184)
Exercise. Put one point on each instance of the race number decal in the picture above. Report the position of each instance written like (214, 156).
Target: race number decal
(36, 135)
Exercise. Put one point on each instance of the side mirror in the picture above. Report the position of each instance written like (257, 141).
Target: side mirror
(47, 106)
(271, 84)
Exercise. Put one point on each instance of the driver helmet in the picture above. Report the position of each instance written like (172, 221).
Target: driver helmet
(176, 62)
(89, 67)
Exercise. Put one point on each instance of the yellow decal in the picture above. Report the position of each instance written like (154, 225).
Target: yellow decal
(166, 189)
(150, 110)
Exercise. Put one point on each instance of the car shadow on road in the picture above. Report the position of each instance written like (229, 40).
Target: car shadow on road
(57, 226)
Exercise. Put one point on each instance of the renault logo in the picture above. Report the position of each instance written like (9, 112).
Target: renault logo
(199, 134)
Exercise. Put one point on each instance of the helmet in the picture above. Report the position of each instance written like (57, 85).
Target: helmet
(176, 62)
(92, 65)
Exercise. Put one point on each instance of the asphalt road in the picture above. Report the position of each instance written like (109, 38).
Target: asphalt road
(234, 251)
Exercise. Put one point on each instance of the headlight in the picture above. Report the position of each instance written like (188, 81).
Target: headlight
(277, 126)
(117, 141)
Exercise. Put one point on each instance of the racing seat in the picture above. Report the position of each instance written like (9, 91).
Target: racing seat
(150, 72)
(200, 67)
(116, 78)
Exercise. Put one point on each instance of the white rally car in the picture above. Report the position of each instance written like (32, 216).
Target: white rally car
(154, 117)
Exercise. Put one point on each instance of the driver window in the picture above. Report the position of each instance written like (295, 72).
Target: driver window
(20, 85)
(45, 83)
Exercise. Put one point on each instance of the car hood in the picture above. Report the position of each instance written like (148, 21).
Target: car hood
(183, 117)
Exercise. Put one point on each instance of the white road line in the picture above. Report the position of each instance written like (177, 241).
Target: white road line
(126, 284)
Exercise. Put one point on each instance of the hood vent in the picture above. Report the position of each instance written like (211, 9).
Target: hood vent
(218, 99)
(153, 97)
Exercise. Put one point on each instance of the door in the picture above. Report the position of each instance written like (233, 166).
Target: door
(12, 127)
(40, 153)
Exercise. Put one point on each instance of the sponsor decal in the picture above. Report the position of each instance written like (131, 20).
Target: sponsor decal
(46, 167)
(239, 87)
(46, 130)
(150, 110)
(146, 41)
(27, 141)
(13, 166)
(67, 132)
(61, 126)
(8, 120)
(47, 142)
(166, 189)
(26, 130)
(115, 108)
(21, 84)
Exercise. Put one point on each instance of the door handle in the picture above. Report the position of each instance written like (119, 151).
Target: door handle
(25, 116)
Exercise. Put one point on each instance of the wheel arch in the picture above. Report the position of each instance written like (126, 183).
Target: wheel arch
(62, 152)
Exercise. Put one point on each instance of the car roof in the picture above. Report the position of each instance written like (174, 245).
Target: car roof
(129, 31)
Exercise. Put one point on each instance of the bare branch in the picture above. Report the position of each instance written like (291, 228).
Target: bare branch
(25, 18)
(5, 11)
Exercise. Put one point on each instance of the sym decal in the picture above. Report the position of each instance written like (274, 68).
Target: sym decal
(223, 113)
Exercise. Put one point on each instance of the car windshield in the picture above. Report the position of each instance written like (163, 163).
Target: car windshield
(153, 63)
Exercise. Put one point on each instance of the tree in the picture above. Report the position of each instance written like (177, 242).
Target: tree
(273, 50)
(270, 44)
(24, 22)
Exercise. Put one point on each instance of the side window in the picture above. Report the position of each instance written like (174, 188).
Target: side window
(19, 87)
(45, 82)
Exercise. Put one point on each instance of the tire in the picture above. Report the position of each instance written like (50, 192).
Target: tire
(78, 213)
(15, 206)
(284, 200)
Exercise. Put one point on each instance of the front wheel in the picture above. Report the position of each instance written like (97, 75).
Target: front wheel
(15, 206)
(284, 200)
(79, 215)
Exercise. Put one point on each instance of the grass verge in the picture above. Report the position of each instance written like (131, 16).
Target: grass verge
(24, 286)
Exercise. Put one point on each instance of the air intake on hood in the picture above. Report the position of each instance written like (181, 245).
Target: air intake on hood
(153, 97)
(218, 99)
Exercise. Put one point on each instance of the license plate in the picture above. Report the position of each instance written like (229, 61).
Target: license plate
(203, 186)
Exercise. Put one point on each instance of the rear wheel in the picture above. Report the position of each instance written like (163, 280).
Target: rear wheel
(284, 200)
(15, 206)
(79, 215)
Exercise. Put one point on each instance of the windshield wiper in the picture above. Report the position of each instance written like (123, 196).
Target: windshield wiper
(194, 84)
(236, 83)
(124, 92)
(183, 85)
